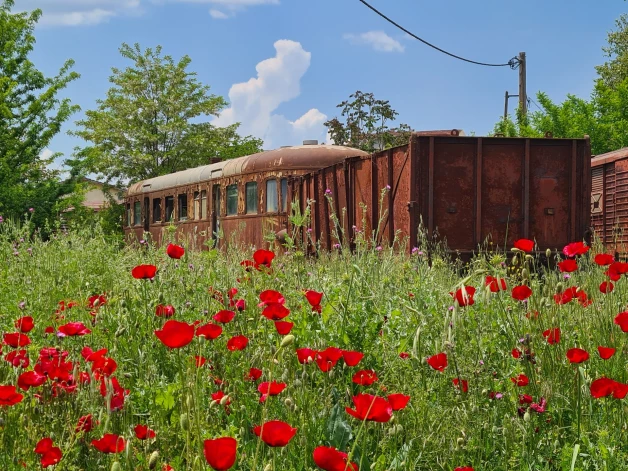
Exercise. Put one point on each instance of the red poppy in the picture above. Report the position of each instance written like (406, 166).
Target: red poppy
(217, 396)
(270, 296)
(365, 377)
(526, 245)
(615, 270)
(275, 433)
(275, 311)
(464, 468)
(209, 331)
(606, 352)
(224, 316)
(74, 329)
(283, 327)
(9, 396)
(521, 380)
(175, 334)
(239, 342)
(602, 387)
(328, 358)
(521, 293)
(495, 284)
(110, 443)
(270, 389)
(16, 340)
(220, 453)
(51, 455)
(606, 287)
(577, 355)
(465, 384)
(175, 251)
(404, 355)
(199, 361)
(575, 248)
(352, 358)
(525, 399)
(240, 305)
(313, 297)
(331, 459)
(18, 358)
(516, 353)
(464, 298)
(438, 362)
(603, 259)
(43, 445)
(96, 301)
(85, 424)
(24, 324)
(263, 258)
(164, 311)
(143, 432)
(368, 407)
(621, 320)
(30, 379)
(304, 355)
(552, 335)
(144, 272)
(398, 401)
(254, 374)
(568, 266)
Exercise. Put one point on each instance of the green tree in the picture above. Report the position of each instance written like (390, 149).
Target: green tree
(145, 126)
(31, 114)
(615, 70)
(365, 124)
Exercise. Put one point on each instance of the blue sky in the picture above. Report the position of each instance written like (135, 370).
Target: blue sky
(313, 54)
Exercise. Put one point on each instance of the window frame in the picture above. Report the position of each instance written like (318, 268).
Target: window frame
(129, 217)
(197, 205)
(156, 210)
(169, 216)
(182, 197)
(137, 215)
(227, 212)
(277, 200)
(255, 208)
(283, 198)
(203, 204)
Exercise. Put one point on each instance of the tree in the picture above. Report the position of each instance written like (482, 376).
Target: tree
(144, 127)
(615, 70)
(31, 114)
(365, 125)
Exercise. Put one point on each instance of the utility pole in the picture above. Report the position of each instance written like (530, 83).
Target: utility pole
(523, 96)
(506, 97)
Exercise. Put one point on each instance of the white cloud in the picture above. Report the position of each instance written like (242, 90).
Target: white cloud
(217, 14)
(378, 40)
(80, 12)
(46, 154)
(223, 9)
(278, 81)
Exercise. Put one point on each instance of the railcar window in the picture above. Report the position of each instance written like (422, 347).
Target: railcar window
(251, 198)
(137, 213)
(284, 194)
(156, 209)
(197, 205)
(169, 208)
(128, 214)
(271, 196)
(204, 204)
(232, 200)
(183, 207)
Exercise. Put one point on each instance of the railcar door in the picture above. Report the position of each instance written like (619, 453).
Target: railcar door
(146, 214)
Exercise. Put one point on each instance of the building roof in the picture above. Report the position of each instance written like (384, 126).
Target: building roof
(609, 157)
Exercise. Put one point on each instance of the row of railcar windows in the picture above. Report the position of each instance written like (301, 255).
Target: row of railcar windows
(200, 203)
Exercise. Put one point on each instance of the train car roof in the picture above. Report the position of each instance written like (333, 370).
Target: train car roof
(308, 157)
(609, 157)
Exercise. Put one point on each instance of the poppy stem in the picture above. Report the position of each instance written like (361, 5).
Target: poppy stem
(578, 392)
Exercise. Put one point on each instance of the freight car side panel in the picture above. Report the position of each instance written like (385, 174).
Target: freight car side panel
(621, 204)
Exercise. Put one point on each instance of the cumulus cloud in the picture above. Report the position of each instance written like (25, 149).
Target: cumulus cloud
(80, 12)
(378, 40)
(254, 102)
(223, 9)
(217, 14)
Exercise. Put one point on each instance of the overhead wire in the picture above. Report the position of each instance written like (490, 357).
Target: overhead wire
(512, 63)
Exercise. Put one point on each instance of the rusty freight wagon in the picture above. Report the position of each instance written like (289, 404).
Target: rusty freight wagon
(609, 200)
(464, 190)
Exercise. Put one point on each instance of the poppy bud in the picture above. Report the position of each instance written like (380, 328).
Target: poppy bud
(297, 382)
(515, 250)
(1, 422)
(224, 400)
(152, 461)
(288, 402)
(121, 330)
(460, 441)
(213, 403)
(268, 467)
(116, 466)
(529, 258)
(559, 288)
(287, 340)
(525, 274)
(515, 260)
(548, 253)
(189, 402)
(96, 302)
(184, 422)
(526, 416)
(495, 429)
(304, 375)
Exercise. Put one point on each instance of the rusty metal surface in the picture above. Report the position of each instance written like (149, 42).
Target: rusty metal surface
(609, 157)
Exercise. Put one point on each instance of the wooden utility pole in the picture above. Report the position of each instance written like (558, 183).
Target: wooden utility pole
(506, 97)
(523, 96)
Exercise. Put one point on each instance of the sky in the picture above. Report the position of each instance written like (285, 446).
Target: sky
(284, 65)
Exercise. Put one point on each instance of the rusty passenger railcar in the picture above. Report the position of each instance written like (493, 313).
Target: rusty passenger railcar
(609, 200)
(246, 197)
(466, 190)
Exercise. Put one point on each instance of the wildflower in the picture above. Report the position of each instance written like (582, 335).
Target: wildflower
(31, 210)
(30, 379)
(283, 327)
(365, 377)
(305, 355)
(552, 335)
(254, 374)
(144, 272)
(275, 311)
(574, 249)
(331, 459)
(50, 455)
(603, 259)
(175, 251)
(438, 362)
(404, 355)
(465, 384)
(328, 358)
(85, 424)
(368, 407)
(398, 401)
(239, 342)
(263, 258)
(272, 388)
(164, 311)
(175, 334)
(275, 433)
(110, 443)
(464, 298)
(9, 396)
(521, 293)
(577, 355)
(606, 352)
(521, 380)
(568, 266)
(328, 192)
(24, 324)
(352, 358)
(16, 340)
(224, 316)
(270, 296)
(209, 331)
(495, 284)
(74, 329)
(526, 245)
(606, 287)
(220, 453)
(143, 432)
(314, 298)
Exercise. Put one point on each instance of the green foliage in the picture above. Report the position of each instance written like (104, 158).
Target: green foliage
(615, 70)
(365, 125)
(145, 127)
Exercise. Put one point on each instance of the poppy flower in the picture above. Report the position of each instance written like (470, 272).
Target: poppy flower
(314, 298)
(9, 396)
(552, 335)
(209, 331)
(603, 259)
(602, 387)
(575, 248)
(365, 377)
(368, 407)
(331, 459)
(275, 311)
(615, 270)
(526, 245)
(240, 305)
(271, 388)
(263, 258)
(539, 406)
(239, 342)
(464, 468)
(521, 293)
(606, 287)
(525, 399)
(74, 329)
(85, 424)
(328, 358)
(51, 457)
(199, 361)
(164, 311)
(16, 340)
(621, 320)
(144, 272)
(175, 251)
(495, 284)
(521, 380)
(96, 301)
(283, 327)
(270, 296)
(217, 396)
(606, 352)
(254, 374)
(24, 324)
(275, 433)
(438, 362)
(398, 401)
(516, 353)
(220, 453)
(43, 445)
(18, 358)
(352, 358)
(465, 384)
(110, 443)
(304, 355)
(464, 297)
(143, 432)
(224, 316)
(404, 355)
(30, 379)
(175, 334)
(577, 355)
(568, 266)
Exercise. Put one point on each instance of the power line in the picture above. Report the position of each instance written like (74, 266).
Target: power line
(535, 104)
(512, 63)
